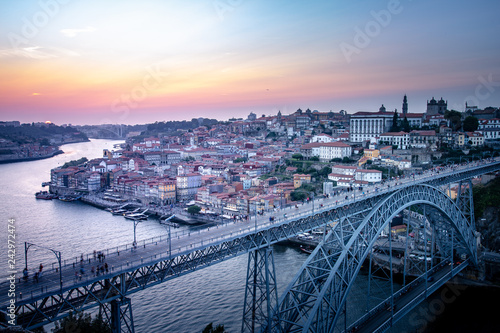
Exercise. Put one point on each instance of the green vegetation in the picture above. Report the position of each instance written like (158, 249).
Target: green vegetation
(395, 123)
(470, 124)
(455, 117)
(486, 196)
(240, 160)
(210, 329)
(172, 126)
(194, 210)
(31, 133)
(303, 192)
(74, 162)
(81, 322)
(405, 125)
(298, 196)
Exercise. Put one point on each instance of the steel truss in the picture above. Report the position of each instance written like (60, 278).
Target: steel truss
(119, 314)
(315, 299)
(353, 233)
(261, 294)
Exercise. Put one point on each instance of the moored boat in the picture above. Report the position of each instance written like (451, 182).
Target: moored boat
(138, 216)
(44, 195)
(68, 198)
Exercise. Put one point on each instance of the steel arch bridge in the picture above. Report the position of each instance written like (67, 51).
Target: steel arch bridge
(315, 299)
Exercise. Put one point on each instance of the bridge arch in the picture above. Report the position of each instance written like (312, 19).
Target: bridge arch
(317, 295)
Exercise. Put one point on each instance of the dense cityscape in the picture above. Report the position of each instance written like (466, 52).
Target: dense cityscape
(227, 168)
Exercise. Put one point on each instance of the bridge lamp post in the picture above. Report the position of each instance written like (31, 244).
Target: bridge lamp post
(255, 212)
(167, 223)
(312, 202)
(136, 222)
(56, 253)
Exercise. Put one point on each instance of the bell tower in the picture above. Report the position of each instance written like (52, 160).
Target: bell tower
(405, 105)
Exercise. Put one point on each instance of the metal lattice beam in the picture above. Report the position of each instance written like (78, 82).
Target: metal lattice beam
(314, 300)
(261, 294)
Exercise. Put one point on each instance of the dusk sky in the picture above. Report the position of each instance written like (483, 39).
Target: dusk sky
(94, 62)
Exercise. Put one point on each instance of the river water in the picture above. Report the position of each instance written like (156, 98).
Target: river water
(185, 304)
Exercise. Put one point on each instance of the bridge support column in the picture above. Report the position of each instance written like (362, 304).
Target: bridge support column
(119, 315)
(261, 295)
(465, 201)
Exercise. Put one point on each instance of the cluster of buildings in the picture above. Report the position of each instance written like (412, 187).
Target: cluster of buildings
(229, 167)
(10, 151)
(429, 129)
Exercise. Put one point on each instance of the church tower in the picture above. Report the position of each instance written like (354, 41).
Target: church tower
(405, 105)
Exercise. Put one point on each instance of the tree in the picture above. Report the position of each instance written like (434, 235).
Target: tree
(81, 322)
(240, 159)
(455, 117)
(210, 329)
(194, 210)
(395, 126)
(470, 124)
(298, 196)
(346, 160)
(325, 171)
(406, 125)
(74, 162)
(297, 156)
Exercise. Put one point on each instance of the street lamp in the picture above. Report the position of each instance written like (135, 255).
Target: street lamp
(312, 202)
(169, 234)
(136, 222)
(56, 253)
(255, 211)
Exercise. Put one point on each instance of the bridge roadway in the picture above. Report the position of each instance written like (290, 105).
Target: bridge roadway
(379, 318)
(125, 259)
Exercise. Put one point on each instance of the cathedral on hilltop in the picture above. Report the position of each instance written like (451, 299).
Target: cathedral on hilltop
(436, 107)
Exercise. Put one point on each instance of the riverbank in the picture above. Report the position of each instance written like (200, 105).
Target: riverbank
(27, 159)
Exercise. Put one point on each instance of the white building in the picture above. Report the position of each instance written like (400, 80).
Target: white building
(347, 175)
(322, 138)
(490, 129)
(490, 133)
(474, 138)
(327, 151)
(401, 139)
(414, 119)
(490, 123)
(344, 169)
(366, 125)
(370, 176)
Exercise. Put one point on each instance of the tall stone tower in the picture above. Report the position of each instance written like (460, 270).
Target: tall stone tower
(405, 105)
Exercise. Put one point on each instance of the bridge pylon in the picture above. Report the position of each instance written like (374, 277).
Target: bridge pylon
(118, 313)
(261, 295)
(465, 200)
